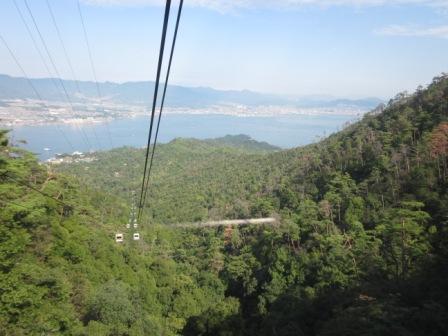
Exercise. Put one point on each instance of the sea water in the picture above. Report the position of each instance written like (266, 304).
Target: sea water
(284, 131)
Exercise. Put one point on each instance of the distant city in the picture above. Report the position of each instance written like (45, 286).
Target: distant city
(33, 112)
(19, 105)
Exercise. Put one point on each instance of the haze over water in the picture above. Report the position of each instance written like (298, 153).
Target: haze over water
(283, 131)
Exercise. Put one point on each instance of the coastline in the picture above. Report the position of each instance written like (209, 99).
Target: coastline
(13, 117)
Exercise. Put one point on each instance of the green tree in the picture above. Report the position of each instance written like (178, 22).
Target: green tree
(404, 236)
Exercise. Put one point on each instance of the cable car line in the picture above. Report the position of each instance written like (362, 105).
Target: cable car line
(36, 92)
(67, 208)
(67, 58)
(179, 13)
(23, 183)
(156, 88)
(53, 65)
(94, 72)
(64, 49)
(92, 65)
(22, 17)
(39, 97)
(45, 65)
(131, 225)
(16, 204)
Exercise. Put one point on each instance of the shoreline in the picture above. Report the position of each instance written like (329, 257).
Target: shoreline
(102, 121)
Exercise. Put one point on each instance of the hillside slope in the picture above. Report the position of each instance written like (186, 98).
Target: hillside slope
(61, 272)
(363, 211)
(192, 180)
(362, 247)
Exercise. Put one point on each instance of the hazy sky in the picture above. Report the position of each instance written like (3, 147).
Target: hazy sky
(348, 48)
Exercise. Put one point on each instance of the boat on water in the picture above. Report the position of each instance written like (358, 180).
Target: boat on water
(47, 149)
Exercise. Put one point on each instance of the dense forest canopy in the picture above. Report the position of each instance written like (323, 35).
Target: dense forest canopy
(361, 248)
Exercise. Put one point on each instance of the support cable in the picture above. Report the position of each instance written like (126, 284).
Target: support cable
(53, 65)
(67, 58)
(22, 17)
(64, 49)
(92, 65)
(156, 88)
(42, 58)
(179, 13)
(39, 97)
(25, 184)
(15, 204)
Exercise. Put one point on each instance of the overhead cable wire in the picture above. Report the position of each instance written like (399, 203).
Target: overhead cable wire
(67, 58)
(42, 58)
(92, 65)
(15, 204)
(30, 82)
(94, 72)
(179, 13)
(67, 208)
(44, 63)
(22, 17)
(25, 184)
(53, 65)
(154, 102)
(61, 40)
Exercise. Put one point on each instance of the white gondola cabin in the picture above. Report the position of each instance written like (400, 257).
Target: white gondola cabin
(135, 224)
(136, 236)
(128, 225)
(119, 238)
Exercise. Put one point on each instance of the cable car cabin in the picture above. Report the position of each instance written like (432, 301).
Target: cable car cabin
(135, 224)
(119, 238)
(128, 225)
(136, 236)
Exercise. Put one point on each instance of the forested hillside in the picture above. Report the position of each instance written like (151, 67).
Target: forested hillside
(193, 180)
(61, 272)
(361, 248)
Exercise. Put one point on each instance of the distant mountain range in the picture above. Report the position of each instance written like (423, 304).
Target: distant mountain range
(140, 93)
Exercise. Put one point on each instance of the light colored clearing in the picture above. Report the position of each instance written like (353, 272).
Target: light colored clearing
(231, 222)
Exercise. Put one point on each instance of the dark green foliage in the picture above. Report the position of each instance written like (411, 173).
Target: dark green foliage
(361, 248)
(111, 305)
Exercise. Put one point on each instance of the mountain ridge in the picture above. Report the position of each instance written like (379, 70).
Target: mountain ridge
(140, 92)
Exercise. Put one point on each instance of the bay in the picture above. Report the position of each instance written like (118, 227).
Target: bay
(285, 131)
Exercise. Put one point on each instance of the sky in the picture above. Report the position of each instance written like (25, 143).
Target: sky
(343, 48)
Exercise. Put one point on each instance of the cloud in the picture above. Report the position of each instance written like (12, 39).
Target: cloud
(398, 30)
(232, 5)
